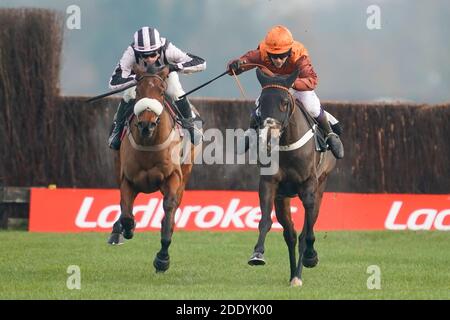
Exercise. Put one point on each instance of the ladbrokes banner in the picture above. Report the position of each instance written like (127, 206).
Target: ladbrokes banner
(75, 210)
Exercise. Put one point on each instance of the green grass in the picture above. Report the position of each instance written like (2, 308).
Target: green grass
(206, 265)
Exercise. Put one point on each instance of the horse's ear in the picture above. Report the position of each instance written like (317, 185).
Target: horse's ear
(291, 79)
(164, 72)
(138, 70)
(262, 77)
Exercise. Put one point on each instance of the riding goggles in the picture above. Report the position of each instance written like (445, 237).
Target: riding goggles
(150, 54)
(280, 55)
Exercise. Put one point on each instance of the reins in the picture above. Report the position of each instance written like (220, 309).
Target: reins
(292, 102)
(170, 137)
(241, 88)
(148, 75)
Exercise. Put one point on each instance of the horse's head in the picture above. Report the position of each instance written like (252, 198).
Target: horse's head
(276, 103)
(149, 98)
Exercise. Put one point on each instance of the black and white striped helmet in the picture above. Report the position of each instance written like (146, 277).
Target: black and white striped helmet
(147, 39)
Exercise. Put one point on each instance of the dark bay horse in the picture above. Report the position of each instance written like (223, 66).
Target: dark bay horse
(149, 161)
(302, 172)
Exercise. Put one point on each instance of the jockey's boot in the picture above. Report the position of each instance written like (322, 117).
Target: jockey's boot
(332, 139)
(188, 122)
(124, 110)
(336, 126)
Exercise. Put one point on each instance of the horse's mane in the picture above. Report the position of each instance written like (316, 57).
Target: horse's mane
(152, 69)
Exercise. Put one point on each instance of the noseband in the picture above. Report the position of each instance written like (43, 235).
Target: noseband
(291, 105)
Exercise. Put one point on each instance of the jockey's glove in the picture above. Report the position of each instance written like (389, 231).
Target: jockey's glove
(235, 65)
(173, 67)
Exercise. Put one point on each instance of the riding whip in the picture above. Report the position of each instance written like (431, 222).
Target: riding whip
(111, 92)
(201, 86)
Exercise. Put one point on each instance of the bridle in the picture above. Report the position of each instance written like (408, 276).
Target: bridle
(291, 105)
(305, 137)
(148, 75)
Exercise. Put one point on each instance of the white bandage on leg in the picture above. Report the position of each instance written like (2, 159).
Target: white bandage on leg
(129, 94)
(174, 88)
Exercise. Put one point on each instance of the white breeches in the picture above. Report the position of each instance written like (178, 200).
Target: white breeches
(174, 89)
(310, 101)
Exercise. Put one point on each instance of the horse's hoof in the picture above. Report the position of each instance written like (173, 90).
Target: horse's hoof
(128, 234)
(310, 260)
(128, 226)
(296, 282)
(115, 239)
(161, 265)
(257, 259)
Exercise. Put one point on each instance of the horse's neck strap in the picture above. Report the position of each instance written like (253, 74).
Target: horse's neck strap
(300, 142)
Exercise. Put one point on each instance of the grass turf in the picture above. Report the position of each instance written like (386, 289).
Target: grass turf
(210, 265)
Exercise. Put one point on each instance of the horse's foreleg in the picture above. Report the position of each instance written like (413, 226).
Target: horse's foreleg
(283, 211)
(266, 199)
(127, 196)
(116, 236)
(310, 258)
(170, 190)
(308, 198)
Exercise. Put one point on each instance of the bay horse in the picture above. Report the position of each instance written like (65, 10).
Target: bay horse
(302, 172)
(149, 161)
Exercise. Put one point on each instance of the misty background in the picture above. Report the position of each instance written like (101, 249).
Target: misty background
(406, 60)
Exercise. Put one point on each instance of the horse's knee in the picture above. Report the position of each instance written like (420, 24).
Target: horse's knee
(170, 203)
(265, 223)
(308, 200)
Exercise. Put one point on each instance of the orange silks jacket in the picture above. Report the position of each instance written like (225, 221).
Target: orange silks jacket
(299, 59)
